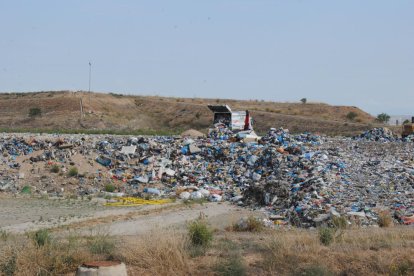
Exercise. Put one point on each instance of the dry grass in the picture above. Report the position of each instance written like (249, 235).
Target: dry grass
(157, 253)
(22, 256)
(373, 251)
(359, 252)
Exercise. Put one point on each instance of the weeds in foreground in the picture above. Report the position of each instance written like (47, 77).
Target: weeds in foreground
(55, 257)
(200, 233)
(251, 224)
(326, 235)
(101, 243)
(232, 266)
(8, 267)
(384, 219)
(159, 253)
(4, 235)
(41, 237)
(232, 262)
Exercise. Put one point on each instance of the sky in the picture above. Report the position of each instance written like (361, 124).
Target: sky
(358, 53)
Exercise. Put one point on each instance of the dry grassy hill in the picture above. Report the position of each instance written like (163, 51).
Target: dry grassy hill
(62, 111)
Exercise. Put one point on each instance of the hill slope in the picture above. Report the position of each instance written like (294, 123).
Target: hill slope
(62, 111)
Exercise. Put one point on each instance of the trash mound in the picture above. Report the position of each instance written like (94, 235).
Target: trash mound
(192, 133)
(378, 134)
(302, 180)
(339, 178)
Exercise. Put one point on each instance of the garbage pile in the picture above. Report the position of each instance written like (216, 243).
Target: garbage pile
(303, 180)
(409, 138)
(381, 134)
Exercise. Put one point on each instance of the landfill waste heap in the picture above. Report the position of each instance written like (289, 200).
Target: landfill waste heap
(303, 180)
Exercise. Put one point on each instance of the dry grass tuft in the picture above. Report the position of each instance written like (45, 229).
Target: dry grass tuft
(158, 253)
(251, 224)
(26, 257)
(384, 219)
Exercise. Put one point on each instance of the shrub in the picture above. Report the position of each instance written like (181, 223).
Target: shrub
(101, 243)
(55, 168)
(73, 172)
(109, 188)
(200, 234)
(303, 100)
(384, 219)
(326, 235)
(27, 190)
(41, 237)
(351, 115)
(383, 118)
(251, 224)
(35, 111)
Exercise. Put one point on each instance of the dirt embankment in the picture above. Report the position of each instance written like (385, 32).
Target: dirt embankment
(85, 111)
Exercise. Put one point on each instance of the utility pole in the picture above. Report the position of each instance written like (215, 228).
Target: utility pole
(90, 75)
(89, 90)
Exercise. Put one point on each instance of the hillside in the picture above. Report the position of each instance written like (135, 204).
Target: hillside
(62, 111)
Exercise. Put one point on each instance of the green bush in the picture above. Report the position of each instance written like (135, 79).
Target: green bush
(101, 243)
(55, 168)
(35, 111)
(326, 235)
(42, 237)
(27, 190)
(200, 234)
(73, 172)
(109, 188)
(383, 118)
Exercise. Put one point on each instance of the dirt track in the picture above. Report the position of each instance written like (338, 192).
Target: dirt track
(19, 215)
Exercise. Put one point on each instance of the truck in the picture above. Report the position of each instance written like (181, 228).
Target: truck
(233, 120)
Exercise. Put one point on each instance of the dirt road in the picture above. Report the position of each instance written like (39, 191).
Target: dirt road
(19, 215)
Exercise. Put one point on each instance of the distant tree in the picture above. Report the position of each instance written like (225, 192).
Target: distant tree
(406, 122)
(383, 118)
(303, 100)
(35, 111)
(351, 115)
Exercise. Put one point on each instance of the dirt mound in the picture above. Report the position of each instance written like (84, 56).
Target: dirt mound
(192, 133)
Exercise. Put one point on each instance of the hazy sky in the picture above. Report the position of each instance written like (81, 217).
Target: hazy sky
(349, 52)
